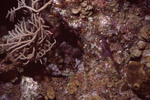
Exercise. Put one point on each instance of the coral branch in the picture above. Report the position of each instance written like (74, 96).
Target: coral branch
(22, 4)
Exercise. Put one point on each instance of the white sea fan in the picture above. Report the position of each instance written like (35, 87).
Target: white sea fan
(31, 39)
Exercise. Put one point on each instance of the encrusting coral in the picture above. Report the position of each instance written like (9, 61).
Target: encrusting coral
(31, 38)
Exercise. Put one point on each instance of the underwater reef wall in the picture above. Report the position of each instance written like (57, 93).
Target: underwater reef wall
(77, 50)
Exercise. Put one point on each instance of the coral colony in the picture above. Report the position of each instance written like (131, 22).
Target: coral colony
(30, 39)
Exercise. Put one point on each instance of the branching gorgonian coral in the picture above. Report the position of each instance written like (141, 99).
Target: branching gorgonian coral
(31, 39)
(33, 8)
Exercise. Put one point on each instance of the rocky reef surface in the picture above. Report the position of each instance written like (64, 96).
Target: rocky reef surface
(102, 53)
